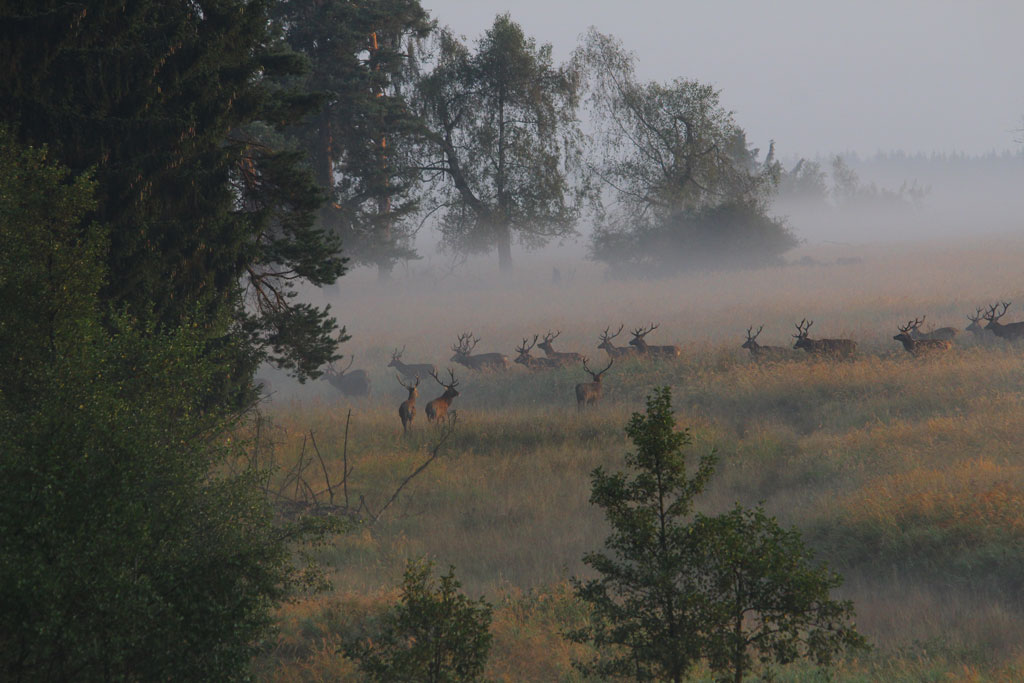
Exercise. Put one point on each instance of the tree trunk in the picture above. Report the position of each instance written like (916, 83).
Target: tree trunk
(504, 249)
(384, 269)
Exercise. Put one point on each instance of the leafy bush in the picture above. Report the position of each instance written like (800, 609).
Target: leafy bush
(434, 634)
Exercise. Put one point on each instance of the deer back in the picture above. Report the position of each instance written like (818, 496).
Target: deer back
(353, 383)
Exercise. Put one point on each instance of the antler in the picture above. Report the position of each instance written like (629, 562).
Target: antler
(596, 375)
(802, 330)
(465, 346)
(991, 314)
(749, 338)
(548, 338)
(399, 378)
(915, 323)
(396, 354)
(641, 333)
(605, 337)
(524, 349)
(451, 373)
(905, 329)
(977, 315)
(331, 370)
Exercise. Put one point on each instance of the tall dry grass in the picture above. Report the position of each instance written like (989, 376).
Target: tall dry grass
(906, 474)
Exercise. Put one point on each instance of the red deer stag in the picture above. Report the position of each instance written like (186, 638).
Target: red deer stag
(760, 351)
(565, 358)
(482, 361)
(407, 411)
(588, 393)
(355, 383)
(652, 351)
(1009, 332)
(437, 410)
(919, 346)
(948, 333)
(614, 351)
(838, 348)
(410, 370)
(532, 363)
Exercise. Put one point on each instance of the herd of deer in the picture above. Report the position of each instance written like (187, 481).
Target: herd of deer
(914, 341)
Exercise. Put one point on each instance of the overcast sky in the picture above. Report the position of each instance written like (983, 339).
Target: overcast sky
(817, 76)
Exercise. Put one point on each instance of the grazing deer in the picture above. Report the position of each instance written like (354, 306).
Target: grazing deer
(1010, 332)
(564, 358)
(948, 333)
(588, 393)
(532, 363)
(407, 411)
(761, 352)
(482, 361)
(919, 346)
(410, 370)
(652, 351)
(614, 351)
(839, 348)
(355, 383)
(437, 410)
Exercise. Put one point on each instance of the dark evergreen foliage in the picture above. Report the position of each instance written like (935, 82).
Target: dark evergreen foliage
(363, 137)
(168, 104)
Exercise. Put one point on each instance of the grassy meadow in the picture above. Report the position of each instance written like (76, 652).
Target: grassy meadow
(905, 474)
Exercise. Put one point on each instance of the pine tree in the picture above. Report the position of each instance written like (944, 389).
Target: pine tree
(169, 105)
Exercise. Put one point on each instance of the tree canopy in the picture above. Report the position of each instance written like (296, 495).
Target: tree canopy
(504, 141)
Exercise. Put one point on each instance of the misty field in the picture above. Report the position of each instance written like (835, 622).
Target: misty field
(905, 474)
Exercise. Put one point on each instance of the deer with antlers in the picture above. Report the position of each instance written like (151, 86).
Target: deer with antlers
(565, 358)
(947, 333)
(1010, 331)
(652, 351)
(410, 370)
(614, 351)
(437, 410)
(976, 327)
(588, 393)
(838, 348)
(532, 363)
(918, 346)
(355, 383)
(482, 361)
(760, 351)
(407, 411)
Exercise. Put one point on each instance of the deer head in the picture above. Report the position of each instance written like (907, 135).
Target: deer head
(449, 388)
(596, 376)
(751, 342)
(524, 350)
(992, 317)
(333, 372)
(465, 345)
(639, 334)
(548, 338)
(413, 392)
(396, 357)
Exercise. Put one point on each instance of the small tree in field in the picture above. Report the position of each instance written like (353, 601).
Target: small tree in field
(435, 634)
(646, 612)
(763, 593)
(673, 591)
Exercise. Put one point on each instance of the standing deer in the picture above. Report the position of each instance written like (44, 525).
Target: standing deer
(565, 358)
(482, 361)
(761, 352)
(437, 410)
(1011, 331)
(839, 348)
(588, 393)
(614, 351)
(407, 411)
(532, 363)
(652, 351)
(410, 370)
(942, 333)
(919, 346)
(355, 383)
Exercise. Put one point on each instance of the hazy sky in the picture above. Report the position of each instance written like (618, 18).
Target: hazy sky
(818, 76)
